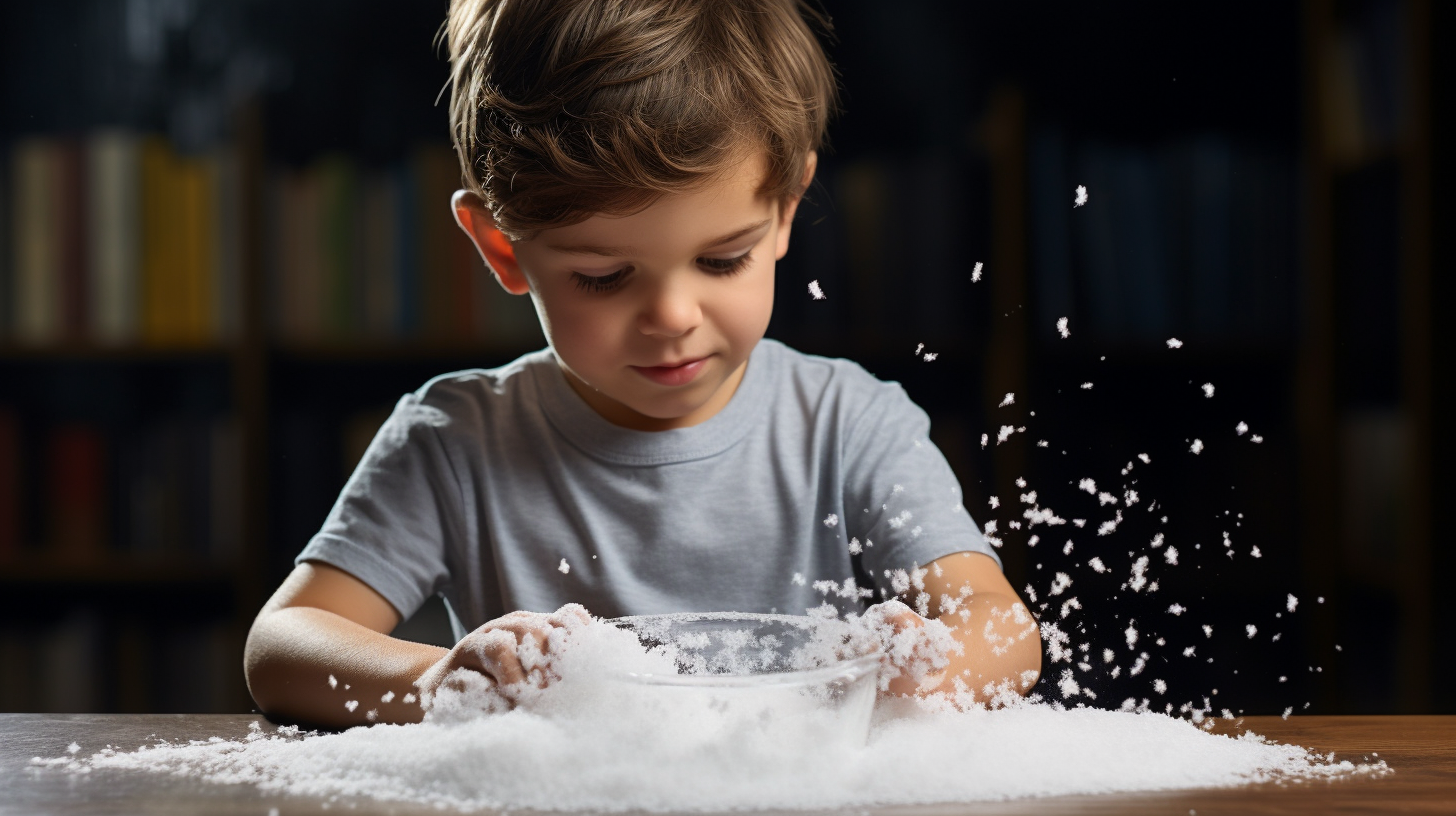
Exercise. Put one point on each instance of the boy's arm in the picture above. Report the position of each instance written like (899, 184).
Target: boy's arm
(322, 623)
(969, 594)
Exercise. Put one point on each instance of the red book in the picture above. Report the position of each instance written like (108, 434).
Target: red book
(77, 492)
(9, 486)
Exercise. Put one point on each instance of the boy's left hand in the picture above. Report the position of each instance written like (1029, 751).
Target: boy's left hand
(917, 659)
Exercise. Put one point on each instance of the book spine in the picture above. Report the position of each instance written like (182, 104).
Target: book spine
(77, 470)
(114, 200)
(225, 250)
(72, 234)
(10, 504)
(379, 224)
(37, 264)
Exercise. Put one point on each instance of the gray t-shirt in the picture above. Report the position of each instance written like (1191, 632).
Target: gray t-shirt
(502, 489)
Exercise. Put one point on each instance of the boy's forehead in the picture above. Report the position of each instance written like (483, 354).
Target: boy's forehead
(722, 207)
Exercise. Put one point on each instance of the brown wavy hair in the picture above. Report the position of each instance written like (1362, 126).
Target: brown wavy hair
(562, 109)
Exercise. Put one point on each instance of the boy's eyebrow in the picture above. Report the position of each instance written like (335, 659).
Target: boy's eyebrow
(593, 249)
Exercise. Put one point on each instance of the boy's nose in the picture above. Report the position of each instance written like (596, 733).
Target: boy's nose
(671, 310)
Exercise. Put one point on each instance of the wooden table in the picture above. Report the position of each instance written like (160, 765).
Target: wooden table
(1421, 750)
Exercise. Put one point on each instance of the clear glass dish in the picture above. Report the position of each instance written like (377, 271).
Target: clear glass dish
(764, 672)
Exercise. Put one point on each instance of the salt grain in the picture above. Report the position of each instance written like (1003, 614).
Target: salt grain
(563, 567)
(1009, 399)
(976, 273)
(1062, 328)
(1241, 428)
(1208, 390)
(1081, 196)
(831, 520)
(1196, 447)
(1174, 343)
(814, 290)
(1291, 603)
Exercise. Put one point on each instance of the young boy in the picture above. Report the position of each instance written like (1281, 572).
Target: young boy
(634, 167)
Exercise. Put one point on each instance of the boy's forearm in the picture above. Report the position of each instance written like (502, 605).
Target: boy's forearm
(1001, 645)
(292, 652)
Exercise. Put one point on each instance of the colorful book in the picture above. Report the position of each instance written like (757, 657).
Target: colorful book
(72, 234)
(35, 240)
(114, 204)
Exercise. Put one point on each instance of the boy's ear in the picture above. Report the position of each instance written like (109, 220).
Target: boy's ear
(494, 247)
(789, 206)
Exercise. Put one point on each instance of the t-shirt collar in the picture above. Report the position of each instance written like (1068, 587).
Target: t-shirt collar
(589, 431)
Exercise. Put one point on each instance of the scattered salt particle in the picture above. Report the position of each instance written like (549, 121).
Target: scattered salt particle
(1130, 498)
(1241, 428)
(1145, 459)
(372, 715)
(1139, 570)
(1096, 564)
(333, 682)
(1060, 583)
(1062, 328)
(831, 520)
(1005, 433)
(1256, 439)
(1287, 712)
(387, 698)
(1207, 630)
(1197, 446)
(1188, 652)
(919, 348)
(815, 290)
(563, 567)
(1177, 609)
(1086, 386)
(798, 579)
(1171, 556)
(1067, 548)
(1157, 541)
(1088, 485)
(351, 705)
(994, 502)
(1291, 603)
(1252, 630)
(1339, 648)
(985, 438)
(1132, 635)
(1079, 523)
(1020, 482)
(1320, 599)
(1256, 553)
(1009, 399)
(929, 357)
(1283, 679)
(1108, 655)
(976, 273)
(1106, 498)
(1174, 342)
(1081, 196)
(1208, 390)
(73, 748)
(855, 548)
(1031, 542)
(1160, 687)
(408, 698)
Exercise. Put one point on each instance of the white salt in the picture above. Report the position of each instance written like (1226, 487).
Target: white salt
(1252, 630)
(1174, 343)
(994, 502)
(1208, 390)
(1081, 196)
(1171, 555)
(1145, 459)
(387, 698)
(831, 520)
(1096, 564)
(929, 357)
(563, 567)
(1241, 428)
(814, 290)
(985, 439)
(1062, 328)
(1291, 603)
(1196, 447)
(976, 273)
(1009, 399)
(1177, 609)
(333, 682)
(1256, 439)
(1086, 386)
(1088, 485)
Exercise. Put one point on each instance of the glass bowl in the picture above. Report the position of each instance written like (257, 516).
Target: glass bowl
(760, 672)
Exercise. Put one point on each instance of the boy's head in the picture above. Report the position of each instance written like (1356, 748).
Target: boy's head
(635, 166)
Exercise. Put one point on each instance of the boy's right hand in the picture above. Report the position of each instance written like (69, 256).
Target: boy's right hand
(512, 651)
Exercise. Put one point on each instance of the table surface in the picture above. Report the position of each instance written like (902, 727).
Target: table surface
(1420, 750)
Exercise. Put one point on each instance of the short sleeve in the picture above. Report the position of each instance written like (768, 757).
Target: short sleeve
(903, 501)
(392, 523)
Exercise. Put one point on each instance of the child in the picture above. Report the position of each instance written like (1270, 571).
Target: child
(634, 166)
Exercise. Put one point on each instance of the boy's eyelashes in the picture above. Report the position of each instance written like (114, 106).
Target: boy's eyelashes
(719, 267)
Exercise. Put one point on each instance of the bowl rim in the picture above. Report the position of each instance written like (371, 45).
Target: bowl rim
(849, 670)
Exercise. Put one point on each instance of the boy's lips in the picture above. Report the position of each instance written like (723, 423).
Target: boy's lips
(680, 374)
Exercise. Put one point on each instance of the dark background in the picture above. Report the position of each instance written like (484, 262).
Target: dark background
(1264, 184)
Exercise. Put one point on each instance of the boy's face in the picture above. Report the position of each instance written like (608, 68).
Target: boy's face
(653, 315)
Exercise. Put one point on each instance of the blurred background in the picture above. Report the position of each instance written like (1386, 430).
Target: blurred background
(226, 251)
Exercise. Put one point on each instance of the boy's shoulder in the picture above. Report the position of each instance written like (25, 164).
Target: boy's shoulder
(473, 390)
(815, 377)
